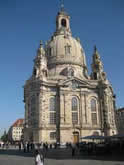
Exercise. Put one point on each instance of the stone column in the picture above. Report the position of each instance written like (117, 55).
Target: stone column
(38, 115)
(58, 115)
(40, 108)
(101, 115)
(64, 108)
(85, 109)
(62, 111)
(81, 114)
(80, 110)
(26, 112)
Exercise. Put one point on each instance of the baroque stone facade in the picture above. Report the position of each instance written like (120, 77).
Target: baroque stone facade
(63, 102)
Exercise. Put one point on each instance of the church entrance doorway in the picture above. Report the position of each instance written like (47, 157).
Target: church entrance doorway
(75, 137)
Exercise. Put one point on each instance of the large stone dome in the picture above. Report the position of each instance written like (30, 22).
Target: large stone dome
(64, 49)
(65, 55)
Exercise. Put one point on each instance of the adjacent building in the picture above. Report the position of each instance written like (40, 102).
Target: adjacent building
(62, 101)
(120, 120)
(16, 130)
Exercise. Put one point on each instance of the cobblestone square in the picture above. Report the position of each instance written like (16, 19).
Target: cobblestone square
(57, 157)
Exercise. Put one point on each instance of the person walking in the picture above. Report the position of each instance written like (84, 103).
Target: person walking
(73, 149)
(39, 158)
(19, 146)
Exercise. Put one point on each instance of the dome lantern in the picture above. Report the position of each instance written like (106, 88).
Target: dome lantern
(63, 21)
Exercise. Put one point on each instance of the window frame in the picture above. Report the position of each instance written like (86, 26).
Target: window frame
(93, 104)
(52, 110)
(52, 135)
(74, 110)
(67, 49)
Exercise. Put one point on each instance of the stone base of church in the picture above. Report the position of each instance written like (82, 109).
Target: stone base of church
(70, 135)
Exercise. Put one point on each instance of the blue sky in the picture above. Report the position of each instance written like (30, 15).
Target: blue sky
(23, 23)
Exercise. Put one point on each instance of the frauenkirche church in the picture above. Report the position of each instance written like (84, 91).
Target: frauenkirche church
(62, 102)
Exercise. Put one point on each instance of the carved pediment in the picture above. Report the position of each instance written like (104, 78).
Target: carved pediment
(73, 82)
(76, 83)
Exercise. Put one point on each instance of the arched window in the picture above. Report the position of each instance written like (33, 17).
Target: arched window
(93, 105)
(52, 109)
(74, 104)
(52, 104)
(63, 22)
(93, 112)
(74, 110)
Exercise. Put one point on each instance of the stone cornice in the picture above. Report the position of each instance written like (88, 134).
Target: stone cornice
(64, 128)
(62, 62)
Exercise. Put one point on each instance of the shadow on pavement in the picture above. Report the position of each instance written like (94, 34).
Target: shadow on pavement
(60, 154)
(15, 152)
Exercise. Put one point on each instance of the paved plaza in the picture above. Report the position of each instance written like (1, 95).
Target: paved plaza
(57, 157)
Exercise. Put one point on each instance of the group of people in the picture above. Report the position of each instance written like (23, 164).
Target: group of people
(39, 156)
(30, 146)
(39, 149)
(4, 145)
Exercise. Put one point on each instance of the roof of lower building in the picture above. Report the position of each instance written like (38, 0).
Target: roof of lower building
(18, 123)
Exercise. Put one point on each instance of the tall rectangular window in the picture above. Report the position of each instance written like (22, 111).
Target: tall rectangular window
(74, 117)
(52, 118)
(52, 110)
(67, 49)
(74, 110)
(94, 118)
(50, 51)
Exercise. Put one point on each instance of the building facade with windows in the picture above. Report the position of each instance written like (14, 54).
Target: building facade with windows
(16, 131)
(120, 120)
(63, 102)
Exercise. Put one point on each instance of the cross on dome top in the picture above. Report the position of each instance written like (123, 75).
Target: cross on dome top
(62, 5)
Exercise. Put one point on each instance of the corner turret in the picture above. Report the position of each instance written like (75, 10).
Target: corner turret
(40, 63)
(97, 67)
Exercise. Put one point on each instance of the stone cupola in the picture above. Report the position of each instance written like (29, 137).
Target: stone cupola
(63, 51)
